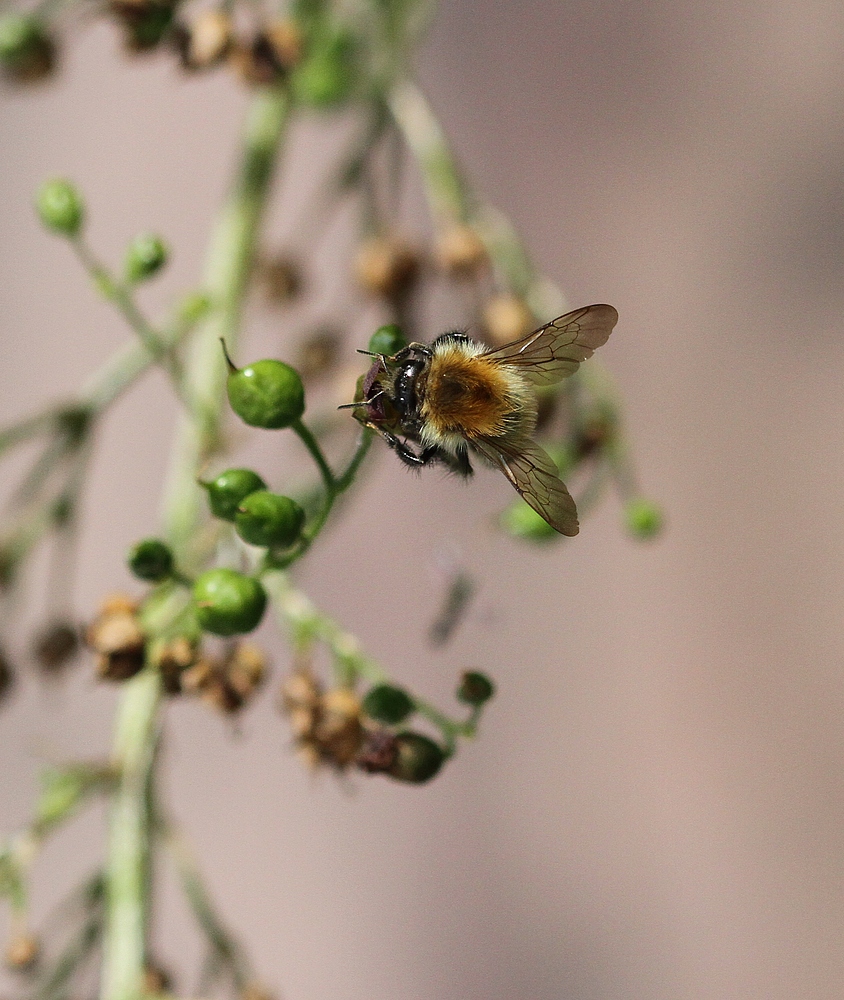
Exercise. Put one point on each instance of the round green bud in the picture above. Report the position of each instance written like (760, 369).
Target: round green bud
(644, 519)
(60, 207)
(18, 34)
(326, 77)
(475, 688)
(387, 340)
(522, 521)
(266, 394)
(228, 491)
(228, 602)
(151, 560)
(388, 704)
(194, 307)
(417, 758)
(146, 255)
(148, 27)
(268, 519)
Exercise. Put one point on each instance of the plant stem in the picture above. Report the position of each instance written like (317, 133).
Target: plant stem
(232, 251)
(128, 865)
(230, 259)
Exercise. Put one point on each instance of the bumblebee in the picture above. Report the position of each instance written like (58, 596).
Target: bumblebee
(441, 403)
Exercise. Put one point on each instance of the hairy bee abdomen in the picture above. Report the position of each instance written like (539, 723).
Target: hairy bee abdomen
(471, 396)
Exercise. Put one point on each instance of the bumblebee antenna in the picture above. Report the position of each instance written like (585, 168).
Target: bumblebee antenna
(360, 402)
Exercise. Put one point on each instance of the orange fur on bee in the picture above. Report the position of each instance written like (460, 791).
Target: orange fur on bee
(466, 393)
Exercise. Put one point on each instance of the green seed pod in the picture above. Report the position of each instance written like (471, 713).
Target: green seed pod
(475, 688)
(60, 207)
(266, 394)
(386, 703)
(522, 521)
(146, 255)
(230, 489)
(27, 53)
(268, 519)
(151, 560)
(388, 340)
(643, 518)
(18, 33)
(418, 758)
(326, 77)
(227, 602)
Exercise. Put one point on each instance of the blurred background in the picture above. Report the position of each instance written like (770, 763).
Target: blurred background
(655, 806)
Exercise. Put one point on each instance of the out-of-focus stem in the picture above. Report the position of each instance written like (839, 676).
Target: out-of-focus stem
(232, 251)
(229, 264)
(128, 865)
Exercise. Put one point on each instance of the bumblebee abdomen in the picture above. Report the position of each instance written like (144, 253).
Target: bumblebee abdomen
(469, 395)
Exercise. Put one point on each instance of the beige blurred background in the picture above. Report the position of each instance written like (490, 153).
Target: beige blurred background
(654, 809)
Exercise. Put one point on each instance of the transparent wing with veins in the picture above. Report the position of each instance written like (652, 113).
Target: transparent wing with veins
(556, 350)
(533, 474)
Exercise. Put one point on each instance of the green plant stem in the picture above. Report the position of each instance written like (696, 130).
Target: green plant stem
(118, 293)
(127, 874)
(333, 485)
(311, 443)
(230, 259)
(232, 251)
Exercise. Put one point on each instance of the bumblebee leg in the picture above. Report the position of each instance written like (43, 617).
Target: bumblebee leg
(406, 454)
(458, 463)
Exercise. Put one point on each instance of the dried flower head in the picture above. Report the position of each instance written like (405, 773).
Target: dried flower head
(173, 660)
(385, 266)
(461, 252)
(318, 353)
(206, 41)
(327, 725)
(22, 951)
(116, 636)
(228, 684)
(506, 318)
(55, 645)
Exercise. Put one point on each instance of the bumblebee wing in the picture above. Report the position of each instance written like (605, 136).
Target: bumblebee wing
(534, 475)
(555, 350)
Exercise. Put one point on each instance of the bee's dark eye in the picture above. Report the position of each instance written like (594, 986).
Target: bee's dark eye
(405, 387)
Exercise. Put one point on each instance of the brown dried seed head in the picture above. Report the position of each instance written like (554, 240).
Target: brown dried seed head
(280, 277)
(207, 40)
(246, 668)
(286, 40)
(385, 266)
(173, 659)
(117, 637)
(507, 318)
(461, 252)
(112, 603)
(300, 690)
(22, 951)
(55, 644)
(339, 731)
(309, 754)
(220, 695)
(198, 676)
(318, 353)
(255, 61)
(303, 721)
(156, 980)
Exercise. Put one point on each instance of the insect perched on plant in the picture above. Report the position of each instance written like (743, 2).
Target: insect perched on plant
(441, 402)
